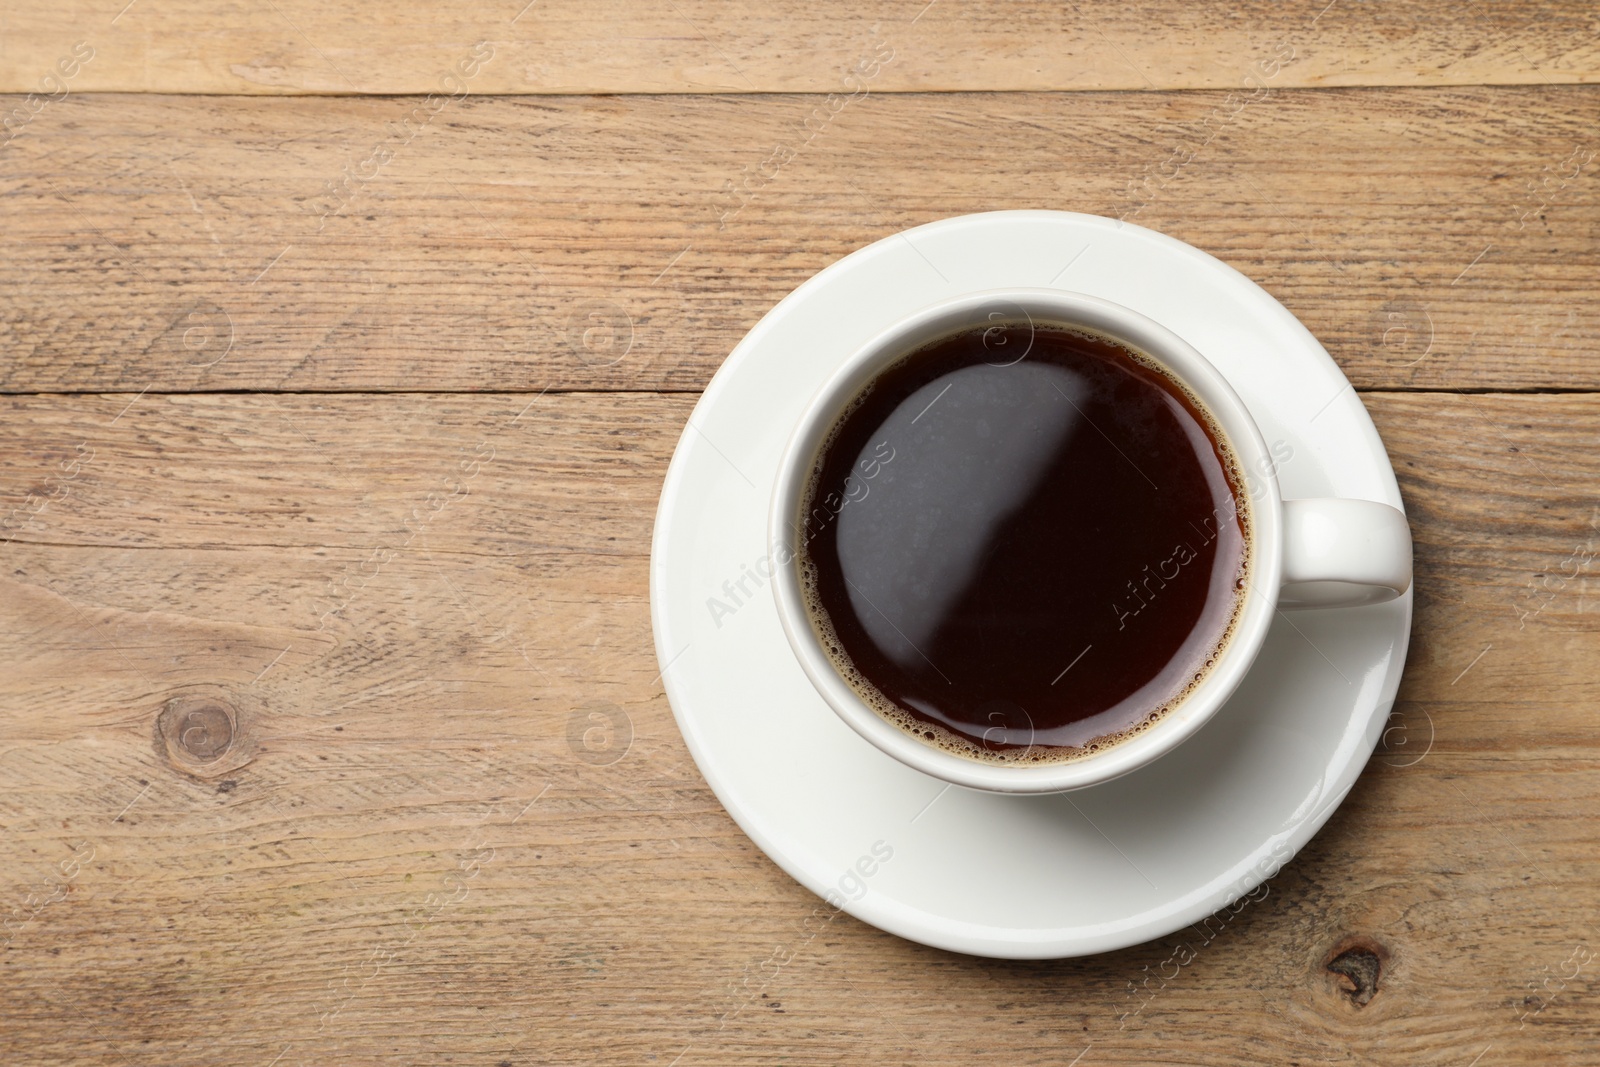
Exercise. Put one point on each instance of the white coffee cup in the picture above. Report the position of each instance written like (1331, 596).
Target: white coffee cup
(1326, 552)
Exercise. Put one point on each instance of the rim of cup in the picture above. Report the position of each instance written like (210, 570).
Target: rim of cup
(1263, 504)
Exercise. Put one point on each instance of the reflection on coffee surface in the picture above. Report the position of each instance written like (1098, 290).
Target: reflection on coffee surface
(1024, 543)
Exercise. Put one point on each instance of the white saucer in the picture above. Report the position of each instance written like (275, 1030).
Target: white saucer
(1015, 876)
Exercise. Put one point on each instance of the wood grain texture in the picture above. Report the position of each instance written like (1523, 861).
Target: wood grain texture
(1438, 238)
(332, 425)
(698, 46)
(412, 850)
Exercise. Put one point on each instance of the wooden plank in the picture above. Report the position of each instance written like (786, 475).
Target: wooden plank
(1439, 238)
(409, 851)
(614, 46)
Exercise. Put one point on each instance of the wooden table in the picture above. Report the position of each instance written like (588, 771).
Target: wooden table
(334, 423)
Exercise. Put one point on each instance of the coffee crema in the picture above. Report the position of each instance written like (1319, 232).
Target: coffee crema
(1023, 543)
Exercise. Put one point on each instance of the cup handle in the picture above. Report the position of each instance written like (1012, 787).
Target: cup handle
(1342, 553)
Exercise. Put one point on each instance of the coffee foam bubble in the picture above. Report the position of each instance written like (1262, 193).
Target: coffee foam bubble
(936, 735)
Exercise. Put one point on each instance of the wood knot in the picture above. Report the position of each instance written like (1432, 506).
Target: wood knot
(204, 731)
(201, 733)
(1360, 962)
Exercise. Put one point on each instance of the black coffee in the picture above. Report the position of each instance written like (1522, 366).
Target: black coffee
(1024, 558)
